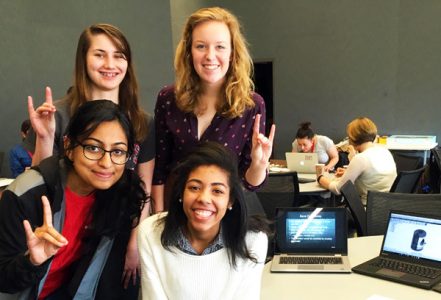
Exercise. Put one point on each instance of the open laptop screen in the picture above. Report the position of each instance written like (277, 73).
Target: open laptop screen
(311, 230)
(413, 236)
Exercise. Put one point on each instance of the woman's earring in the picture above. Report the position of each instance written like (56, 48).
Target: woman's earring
(180, 200)
(230, 208)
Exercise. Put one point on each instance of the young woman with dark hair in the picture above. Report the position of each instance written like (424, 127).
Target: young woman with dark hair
(205, 247)
(307, 141)
(104, 69)
(65, 224)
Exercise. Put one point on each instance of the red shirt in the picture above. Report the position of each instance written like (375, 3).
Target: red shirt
(76, 220)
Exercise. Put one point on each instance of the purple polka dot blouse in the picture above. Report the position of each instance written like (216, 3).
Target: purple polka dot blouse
(176, 134)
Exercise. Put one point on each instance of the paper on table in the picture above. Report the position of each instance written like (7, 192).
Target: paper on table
(5, 181)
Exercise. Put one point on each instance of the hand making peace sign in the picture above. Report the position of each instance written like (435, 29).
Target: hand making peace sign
(45, 241)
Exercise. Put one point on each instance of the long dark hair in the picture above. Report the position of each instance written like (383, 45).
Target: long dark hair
(119, 207)
(235, 223)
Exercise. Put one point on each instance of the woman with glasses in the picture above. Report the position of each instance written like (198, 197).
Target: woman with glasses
(371, 166)
(64, 223)
(103, 70)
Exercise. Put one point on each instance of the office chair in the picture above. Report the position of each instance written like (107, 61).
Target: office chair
(254, 206)
(435, 170)
(380, 203)
(407, 181)
(280, 190)
(407, 162)
(356, 207)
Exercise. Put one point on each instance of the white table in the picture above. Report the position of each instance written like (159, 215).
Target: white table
(305, 188)
(311, 187)
(412, 143)
(4, 182)
(341, 286)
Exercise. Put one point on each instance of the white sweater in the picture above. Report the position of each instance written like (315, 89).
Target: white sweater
(178, 275)
(371, 170)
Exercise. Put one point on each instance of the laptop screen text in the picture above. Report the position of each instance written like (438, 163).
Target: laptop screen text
(313, 231)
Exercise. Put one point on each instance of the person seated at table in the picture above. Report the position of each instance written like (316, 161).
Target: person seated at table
(20, 156)
(65, 224)
(371, 166)
(205, 247)
(308, 142)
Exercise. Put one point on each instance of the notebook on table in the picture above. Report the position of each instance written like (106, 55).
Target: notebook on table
(410, 253)
(311, 240)
(301, 162)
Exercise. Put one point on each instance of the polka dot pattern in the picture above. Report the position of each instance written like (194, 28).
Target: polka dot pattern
(176, 133)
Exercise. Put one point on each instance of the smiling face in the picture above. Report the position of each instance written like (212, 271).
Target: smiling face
(106, 65)
(88, 175)
(211, 51)
(205, 201)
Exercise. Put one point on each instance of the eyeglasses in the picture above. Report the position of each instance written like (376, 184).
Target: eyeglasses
(117, 156)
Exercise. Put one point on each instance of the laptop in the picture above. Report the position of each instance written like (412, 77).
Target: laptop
(301, 162)
(311, 240)
(410, 253)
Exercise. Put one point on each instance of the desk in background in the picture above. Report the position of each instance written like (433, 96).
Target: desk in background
(279, 189)
(278, 169)
(341, 286)
(412, 143)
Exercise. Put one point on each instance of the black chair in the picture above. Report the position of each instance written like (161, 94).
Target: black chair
(435, 170)
(380, 203)
(407, 181)
(407, 162)
(280, 190)
(356, 207)
(254, 206)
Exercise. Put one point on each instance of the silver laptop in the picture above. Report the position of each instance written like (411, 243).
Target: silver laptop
(313, 240)
(411, 251)
(301, 162)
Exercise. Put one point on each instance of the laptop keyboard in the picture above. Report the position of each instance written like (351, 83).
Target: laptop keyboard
(407, 268)
(319, 260)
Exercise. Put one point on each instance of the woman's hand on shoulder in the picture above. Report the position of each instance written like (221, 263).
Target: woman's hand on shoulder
(45, 241)
(42, 118)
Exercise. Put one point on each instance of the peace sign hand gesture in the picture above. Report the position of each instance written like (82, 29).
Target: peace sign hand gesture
(45, 241)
